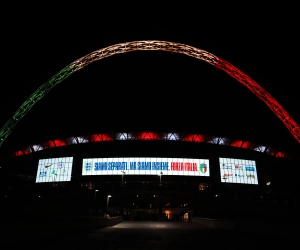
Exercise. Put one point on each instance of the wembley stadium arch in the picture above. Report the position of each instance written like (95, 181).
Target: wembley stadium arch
(149, 175)
(237, 74)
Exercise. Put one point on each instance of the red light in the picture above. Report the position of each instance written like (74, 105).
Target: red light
(237, 144)
(100, 137)
(148, 136)
(280, 154)
(194, 138)
(49, 144)
(59, 143)
(19, 153)
(96, 138)
(106, 137)
(247, 144)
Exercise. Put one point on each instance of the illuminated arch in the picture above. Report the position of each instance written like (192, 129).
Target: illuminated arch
(276, 108)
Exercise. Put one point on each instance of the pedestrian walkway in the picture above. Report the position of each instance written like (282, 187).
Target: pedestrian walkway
(161, 235)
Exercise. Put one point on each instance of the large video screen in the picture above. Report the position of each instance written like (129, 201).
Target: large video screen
(54, 169)
(145, 166)
(238, 171)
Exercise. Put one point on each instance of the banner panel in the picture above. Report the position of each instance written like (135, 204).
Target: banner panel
(54, 169)
(145, 166)
(238, 171)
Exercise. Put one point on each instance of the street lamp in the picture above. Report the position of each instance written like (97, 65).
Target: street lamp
(160, 179)
(123, 172)
(108, 196)
(96, 195)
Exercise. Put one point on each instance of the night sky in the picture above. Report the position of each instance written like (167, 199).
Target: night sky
(151, 90)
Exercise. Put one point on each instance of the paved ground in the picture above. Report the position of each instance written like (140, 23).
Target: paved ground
(160, 235)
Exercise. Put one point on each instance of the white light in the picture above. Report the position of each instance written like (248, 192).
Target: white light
(96, 190)
(260, 148)
(82, 140)
(172, 137)
(109, 196)
(123, 136)
(37, 147)
(221, 141)
(214, 140)
(72, 140)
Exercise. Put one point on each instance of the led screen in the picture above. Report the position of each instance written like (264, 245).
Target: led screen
(145, 166)
(54, 169)
(238, 171)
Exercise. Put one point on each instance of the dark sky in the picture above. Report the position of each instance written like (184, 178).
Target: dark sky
(152, 90)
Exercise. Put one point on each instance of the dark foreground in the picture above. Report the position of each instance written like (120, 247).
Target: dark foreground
(159, 235)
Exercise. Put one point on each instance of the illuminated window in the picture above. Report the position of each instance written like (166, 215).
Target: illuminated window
(203, 186)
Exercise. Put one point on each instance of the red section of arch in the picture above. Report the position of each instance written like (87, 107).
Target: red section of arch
(255, 88)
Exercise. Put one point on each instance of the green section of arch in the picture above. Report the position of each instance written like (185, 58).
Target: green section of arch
(32, 100)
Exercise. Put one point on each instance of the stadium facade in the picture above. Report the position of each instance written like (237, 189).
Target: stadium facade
(150, 176)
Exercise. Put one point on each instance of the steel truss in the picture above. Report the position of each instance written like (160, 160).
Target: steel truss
(276, 108)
